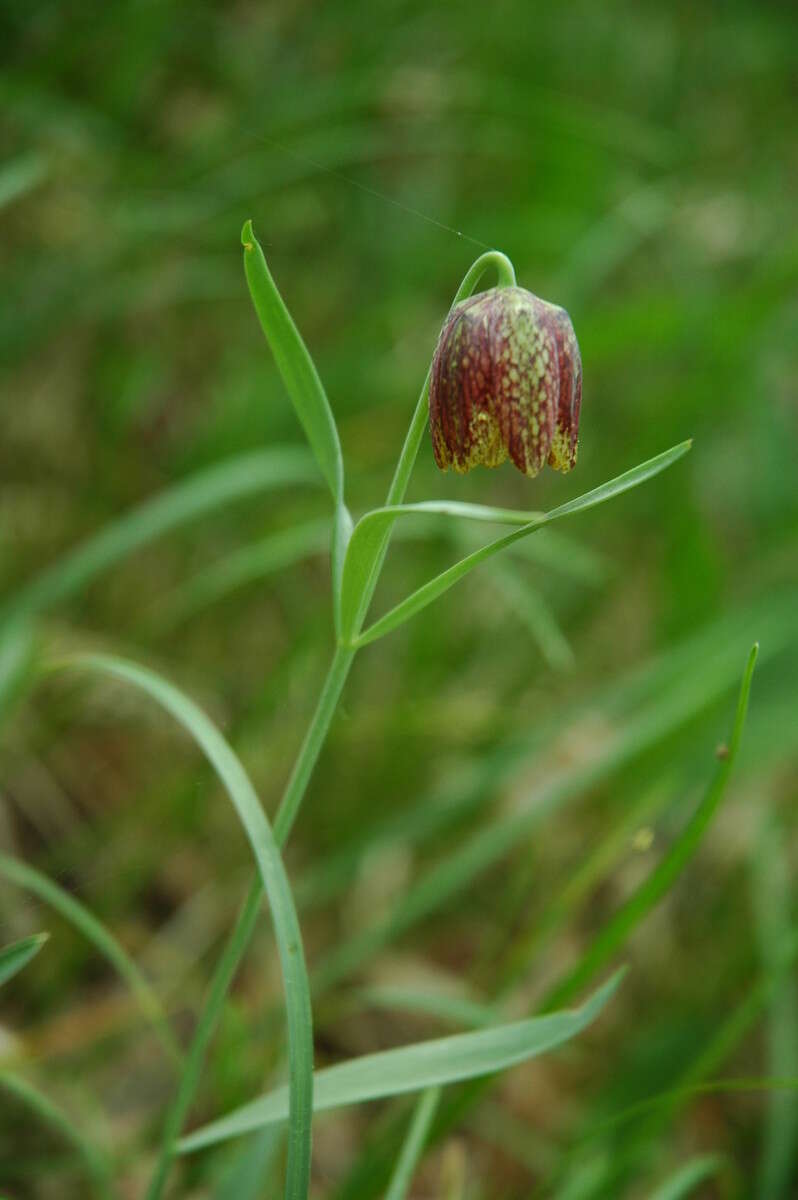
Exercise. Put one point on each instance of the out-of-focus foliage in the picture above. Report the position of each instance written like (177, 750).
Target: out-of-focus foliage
(510, 766)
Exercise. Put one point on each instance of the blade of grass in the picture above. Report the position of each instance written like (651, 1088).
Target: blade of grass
(413, 1146)
(299, 1093)
(580, 882)
(458, 1010)
(244, 1179)
(17, 955)
(414, 1068)
(532, 610)
(441, 583)
(245, 565)
(242, 476)
(295, 364)
(688, 1177)
(771, 887)
(20, 176)
(17, 650)
(662, 878)
(72, 910)
(97, 1166)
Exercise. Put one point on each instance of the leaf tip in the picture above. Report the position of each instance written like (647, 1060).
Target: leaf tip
(247, 235)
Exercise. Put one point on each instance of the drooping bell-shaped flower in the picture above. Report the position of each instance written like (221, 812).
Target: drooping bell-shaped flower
(506, 382)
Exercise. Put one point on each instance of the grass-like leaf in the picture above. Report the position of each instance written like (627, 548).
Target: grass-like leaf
(295, 364)
(415, 1067)
(72, 910)
(242, 476)
(687, 1178)
(61, 1122)
(17, 650)
(299, 1093)
(662, 878)
(242, 566)
(413, 1146)
(17, 955)
(364, 546)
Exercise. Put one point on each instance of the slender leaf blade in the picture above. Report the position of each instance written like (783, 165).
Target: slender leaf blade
(415, 1067)
(61, 1122)
(687, 1178)
(241, 476)
(413, 1146)
(441, 583)
(197, 724)
(294, 363)
(650, 892)
(17, 955)
(83, 919)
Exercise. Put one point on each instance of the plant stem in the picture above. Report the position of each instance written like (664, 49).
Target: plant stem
(247, 918)
(414, 1144)
(311, 746)
(303, 768)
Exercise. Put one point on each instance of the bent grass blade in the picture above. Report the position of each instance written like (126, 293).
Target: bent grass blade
(83, 919)
(280, 466)
(299, 1093)
(17, 955)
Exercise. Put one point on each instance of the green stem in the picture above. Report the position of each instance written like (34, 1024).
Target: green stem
(311, 746)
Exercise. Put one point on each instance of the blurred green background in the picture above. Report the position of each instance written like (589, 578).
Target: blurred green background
(638, 163)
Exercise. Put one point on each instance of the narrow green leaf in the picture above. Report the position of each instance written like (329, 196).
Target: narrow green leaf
(244, 565)
(17, 649)
(20, 176)
(534, 612)
(72, 910)
(662, 878)
(16, 955)
(294, 363)
(688, 1177)
(202, 493)
(245, 1177)
(413, 1146)
(299, 1093)
(441, 583)
(455, 1009)
(61, 1122)
(414, 1068)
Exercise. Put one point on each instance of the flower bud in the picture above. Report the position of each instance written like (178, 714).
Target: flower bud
(506, 383)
